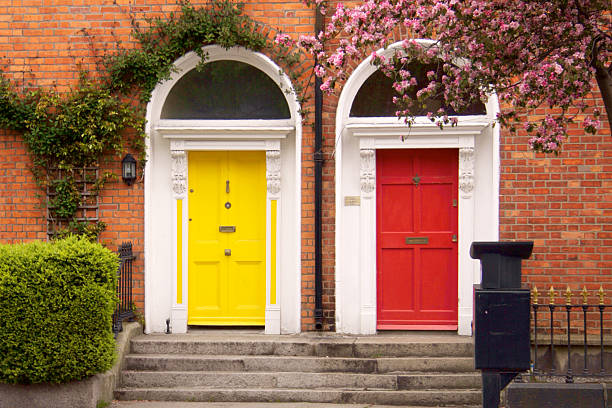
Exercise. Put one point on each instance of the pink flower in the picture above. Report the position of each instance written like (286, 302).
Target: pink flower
(591, 126)
(527, 54)
(319, 71)
(284, 40)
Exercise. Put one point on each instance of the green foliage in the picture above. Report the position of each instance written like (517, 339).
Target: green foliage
(76, 129)
(15, 110)
(67, 198)
(83, 229)
(56, 302)
(166, 39)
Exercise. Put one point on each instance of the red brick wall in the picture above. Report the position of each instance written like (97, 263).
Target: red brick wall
(22, 218)
(563, 203)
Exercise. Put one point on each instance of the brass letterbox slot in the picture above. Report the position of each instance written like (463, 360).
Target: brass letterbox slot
(417, 240)
(227, 228)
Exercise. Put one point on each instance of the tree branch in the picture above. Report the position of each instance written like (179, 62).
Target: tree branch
(604, 81)
(603, 76)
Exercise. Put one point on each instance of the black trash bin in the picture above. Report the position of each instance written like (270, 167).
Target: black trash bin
(501, 316)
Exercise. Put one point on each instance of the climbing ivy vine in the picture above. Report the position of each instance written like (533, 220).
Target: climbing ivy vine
(68, 132)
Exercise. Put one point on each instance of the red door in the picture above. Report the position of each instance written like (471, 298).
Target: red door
(416, 237)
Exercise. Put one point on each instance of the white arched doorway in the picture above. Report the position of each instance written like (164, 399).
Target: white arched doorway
(474, 142)
(176, 143)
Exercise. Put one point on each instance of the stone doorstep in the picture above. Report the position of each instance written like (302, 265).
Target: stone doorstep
(83, 394)
(224, 342)
(547, 395)
(390, 336)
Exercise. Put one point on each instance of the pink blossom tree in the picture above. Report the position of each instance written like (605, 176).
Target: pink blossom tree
(530, 53)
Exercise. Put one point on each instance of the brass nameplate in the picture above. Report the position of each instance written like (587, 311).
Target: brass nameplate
(417, 241)
(352, 201)
(227, 228)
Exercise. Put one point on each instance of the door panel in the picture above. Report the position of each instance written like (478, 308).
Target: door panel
(227, 189)
(438, 220)
(437, 264)
(399, 201)
(416, 239)
(398, 272)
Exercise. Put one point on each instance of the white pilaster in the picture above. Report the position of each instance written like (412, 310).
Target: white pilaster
(466, 236)
(367, 247)
(273, 182)
(178, 317)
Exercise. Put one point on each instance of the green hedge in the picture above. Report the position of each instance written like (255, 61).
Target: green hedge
(56, 306)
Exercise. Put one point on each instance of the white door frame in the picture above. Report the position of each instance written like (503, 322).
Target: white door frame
(166, 201)
(357, 140)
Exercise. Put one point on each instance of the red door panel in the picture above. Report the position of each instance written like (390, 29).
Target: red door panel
(417, 238)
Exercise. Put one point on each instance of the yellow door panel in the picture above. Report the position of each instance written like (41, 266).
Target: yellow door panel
(205, 286)
(227, 270)
(250, 302)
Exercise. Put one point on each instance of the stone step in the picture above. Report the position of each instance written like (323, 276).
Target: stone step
(428, 398)
(191, 362)
(172, 379)
(364, 347)
(416, 381)
(184, 404)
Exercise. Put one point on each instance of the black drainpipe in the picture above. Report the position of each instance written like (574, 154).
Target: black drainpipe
(318, 162)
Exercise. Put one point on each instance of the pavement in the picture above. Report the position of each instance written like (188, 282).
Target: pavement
(163, 404)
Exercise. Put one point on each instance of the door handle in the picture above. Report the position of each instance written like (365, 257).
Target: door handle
(227, 252)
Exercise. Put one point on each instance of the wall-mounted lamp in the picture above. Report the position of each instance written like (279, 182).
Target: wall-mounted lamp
(128, 169)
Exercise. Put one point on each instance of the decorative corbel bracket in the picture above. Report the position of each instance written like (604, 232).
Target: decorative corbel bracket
(367, 171)
(466, 171)
(273, 173)
(179, 173)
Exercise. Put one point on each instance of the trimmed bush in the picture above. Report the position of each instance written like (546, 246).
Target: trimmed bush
(56, 305)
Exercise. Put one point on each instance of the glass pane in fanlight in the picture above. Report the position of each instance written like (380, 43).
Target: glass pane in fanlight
(225, 90)
(375, 97)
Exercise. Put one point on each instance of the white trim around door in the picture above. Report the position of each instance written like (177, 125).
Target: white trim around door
(357, 140)
(166, 201)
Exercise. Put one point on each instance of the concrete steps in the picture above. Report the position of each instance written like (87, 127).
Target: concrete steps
(412, 381)
(369, 346)
(185, 362)
(408, 371)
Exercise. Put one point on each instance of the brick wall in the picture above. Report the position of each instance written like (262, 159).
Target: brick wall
(22, 218)
(562, 203)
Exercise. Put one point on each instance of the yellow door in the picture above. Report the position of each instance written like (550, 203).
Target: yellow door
(227, 238)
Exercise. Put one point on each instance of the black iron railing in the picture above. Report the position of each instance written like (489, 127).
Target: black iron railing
(581, 355)
(125, 307)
